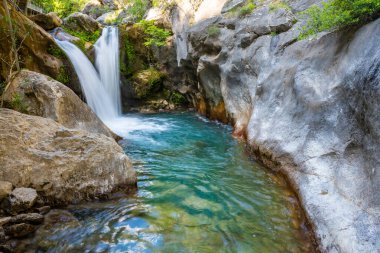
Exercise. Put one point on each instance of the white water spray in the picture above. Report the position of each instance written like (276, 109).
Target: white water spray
(101, 88)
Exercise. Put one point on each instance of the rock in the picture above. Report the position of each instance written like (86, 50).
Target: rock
(20, 230)
(5, 248)
(45, 97)
(20, 200)
(2, 236)
(5, 220)
(30, 218)
(47, 21)
(63, 165)
(231, 4)
(43, 210)
(38, 52)
(308, 108)
(5, 189)
(81, 22)
(95, 9)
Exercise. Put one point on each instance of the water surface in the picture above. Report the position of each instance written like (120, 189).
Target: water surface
(199, 191)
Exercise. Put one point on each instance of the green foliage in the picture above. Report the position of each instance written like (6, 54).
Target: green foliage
(129, 49)
(154, 36)
(62, 7)
(213, 31)
(17, 104)
(337, 14)
(63, 77)
(138, 9)
(84, 35)
(165, 5)
(177, 98)
(247, 9)
(56, 51)
(277, 5)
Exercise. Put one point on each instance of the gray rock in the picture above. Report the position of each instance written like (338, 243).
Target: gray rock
(81, 22)
(63, 165)
(45, 97)
(30, 218)
(95, 9)
(309, 109)
(231, 4)
(5, 189)
(20, 200)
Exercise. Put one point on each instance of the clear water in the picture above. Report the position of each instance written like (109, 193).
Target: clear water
(198, 192)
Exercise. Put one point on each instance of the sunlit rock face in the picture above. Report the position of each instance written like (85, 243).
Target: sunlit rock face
(63, 165)
(307, 107)
(42, 96)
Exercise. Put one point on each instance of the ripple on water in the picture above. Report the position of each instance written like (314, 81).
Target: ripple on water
(198, 192)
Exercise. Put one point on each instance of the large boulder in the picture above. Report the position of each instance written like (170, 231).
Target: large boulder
(40, 95)
(47, 21)
(81, 22)
(62, 164)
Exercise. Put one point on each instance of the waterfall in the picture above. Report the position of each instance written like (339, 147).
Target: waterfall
(100, 87)
(107, 64)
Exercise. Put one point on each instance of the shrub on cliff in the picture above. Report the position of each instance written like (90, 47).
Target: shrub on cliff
(339, 13)
(154, 36)
(62, 7)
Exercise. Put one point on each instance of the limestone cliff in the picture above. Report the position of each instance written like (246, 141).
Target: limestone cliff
(308, 108)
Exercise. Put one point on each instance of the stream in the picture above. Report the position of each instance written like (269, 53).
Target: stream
(198, 191)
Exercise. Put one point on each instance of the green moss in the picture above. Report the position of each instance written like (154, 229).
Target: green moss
(63, 77)
(138, 8)
(213, 31)
(85, 36)
(177, 98)
(277, 5)
(147, 82)
(17, 104)
(56, 51)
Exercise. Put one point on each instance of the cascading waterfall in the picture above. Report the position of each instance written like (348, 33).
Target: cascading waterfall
(100, 87)
(107, 64)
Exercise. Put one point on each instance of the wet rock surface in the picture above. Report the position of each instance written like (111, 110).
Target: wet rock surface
(307, 109)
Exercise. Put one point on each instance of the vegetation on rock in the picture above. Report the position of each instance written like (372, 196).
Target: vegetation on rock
(155, 36)
(337, 14)
(138, 9)
(213, 31)
(247, 9)
(277, 5)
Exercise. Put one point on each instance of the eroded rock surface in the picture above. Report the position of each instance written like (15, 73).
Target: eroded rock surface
(63, 165)
(308, 108)
(47, 21)
(41, 95)
(81, 22)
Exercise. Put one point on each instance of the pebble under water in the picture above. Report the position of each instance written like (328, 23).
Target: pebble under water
(198, 191)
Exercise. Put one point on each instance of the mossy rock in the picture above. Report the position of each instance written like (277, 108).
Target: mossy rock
(147, 83)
